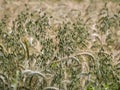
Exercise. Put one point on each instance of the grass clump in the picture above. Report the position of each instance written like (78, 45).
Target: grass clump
(36, 54)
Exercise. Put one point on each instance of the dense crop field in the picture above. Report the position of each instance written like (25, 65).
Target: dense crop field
(59, 45)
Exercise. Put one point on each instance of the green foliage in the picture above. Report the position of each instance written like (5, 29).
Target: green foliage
(32, 59)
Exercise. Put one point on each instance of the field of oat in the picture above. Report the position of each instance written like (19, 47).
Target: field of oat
(59, 45)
